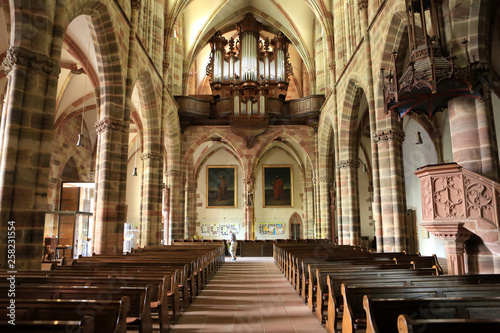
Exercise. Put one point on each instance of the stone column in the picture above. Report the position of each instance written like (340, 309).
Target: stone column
(151, 199)
(392, 191)
(454, 236)
(472, 135)
(350, 234)
(111, 182)
(176, 182)
(190, 211)
(249, 207)
(26, 143)
(309, 225)
(325, 183)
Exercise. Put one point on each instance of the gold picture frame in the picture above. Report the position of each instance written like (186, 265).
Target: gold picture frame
(221, 186)
(277, 186)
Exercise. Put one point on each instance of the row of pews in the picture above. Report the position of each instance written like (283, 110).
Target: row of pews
(109, 293)
(351, 290)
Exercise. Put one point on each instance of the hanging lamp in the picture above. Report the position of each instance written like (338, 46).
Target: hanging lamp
(134, 172)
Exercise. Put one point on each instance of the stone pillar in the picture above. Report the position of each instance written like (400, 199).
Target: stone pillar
(111, 182)
(472, 135)
(392, 191)
(190, 210)
(151, 199)
(317, 209)
(26, 143)
(176, 182)
(325, 183)
(454, 236)
(309, 227)
(350, 234)
(166, 213)
(249, 207)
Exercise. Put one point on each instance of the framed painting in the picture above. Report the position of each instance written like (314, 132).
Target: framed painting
(277, 186)
(221, 186)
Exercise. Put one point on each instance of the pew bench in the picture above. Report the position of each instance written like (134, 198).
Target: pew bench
(139, 314)
(109, 316)
(335, 298)
(354, 316)
(382, 314)
(408, 325)
(85, 325)
(159, 302)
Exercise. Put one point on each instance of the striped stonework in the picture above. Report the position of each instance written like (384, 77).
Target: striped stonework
(110, 213)
(151, 206)
(176, 181)
(26, 140)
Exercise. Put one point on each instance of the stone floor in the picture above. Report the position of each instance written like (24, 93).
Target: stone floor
(248, 295)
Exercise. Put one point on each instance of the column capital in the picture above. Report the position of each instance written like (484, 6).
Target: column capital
(348, 164)
(136, 4)
(17, 56)
(151, 155)
(309, 189)
(174, 173)
(326, 180)
(362, 4)
(389, 135)
(107, 123)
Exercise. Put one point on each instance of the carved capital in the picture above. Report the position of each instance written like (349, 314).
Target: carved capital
(136, 4)
(16, 56)
(389, 135)
(362, 4)
(309, 189)
(326, 180)
(174, 173)
(150, 155)
(77, 71)
(106, 124)
(348, 164)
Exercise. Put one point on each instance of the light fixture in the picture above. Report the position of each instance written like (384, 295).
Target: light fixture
(418, 138)
(80, 142)
(134, 173)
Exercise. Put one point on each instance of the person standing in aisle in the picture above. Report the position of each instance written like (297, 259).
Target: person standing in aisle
(233, 245)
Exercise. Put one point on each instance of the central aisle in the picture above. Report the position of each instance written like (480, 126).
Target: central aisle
(248, 295)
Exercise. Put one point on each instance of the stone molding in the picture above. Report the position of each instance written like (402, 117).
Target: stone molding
(362, 4)
(326, 180)
(309, 189)
(151, 155)
(16, 56)
(389, 135)
(174, 173)
(105, 124)
(348, 164)
(136, 4)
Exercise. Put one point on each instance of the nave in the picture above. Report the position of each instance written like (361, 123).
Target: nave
(249, 295)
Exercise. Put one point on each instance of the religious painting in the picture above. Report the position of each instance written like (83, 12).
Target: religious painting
(221, 186)
(277, 186)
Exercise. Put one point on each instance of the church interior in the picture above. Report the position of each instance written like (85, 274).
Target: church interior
(346, 143)
(128, 124)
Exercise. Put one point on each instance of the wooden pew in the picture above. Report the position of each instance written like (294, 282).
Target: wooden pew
(334, 284)
(354, 316)
(109, 317)
(382, 314)
(408, 325)
(318, 289)
(139, 314)
(159, 302)
(85, 325)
